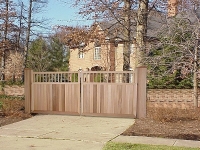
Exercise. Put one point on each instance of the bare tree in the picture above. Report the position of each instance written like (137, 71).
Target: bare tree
(20, 31)
(35, 6)
(27, 22)
(28, 30)
(8, 28)
(177, 50)
(142, 14)
(127, 35)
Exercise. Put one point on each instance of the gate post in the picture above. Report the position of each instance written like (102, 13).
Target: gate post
(141, 91)
(27, 89)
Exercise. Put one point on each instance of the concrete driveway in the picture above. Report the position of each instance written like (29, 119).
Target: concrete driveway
(62, 132)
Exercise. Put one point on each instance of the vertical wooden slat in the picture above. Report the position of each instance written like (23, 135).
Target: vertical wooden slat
(66, 97)
(34, 97)
(135, 99)
(95, 98)
(37, 95)
(123, 106)
(131, 98)
(59, 97)
(78, 98)
(98, 98)
(44, 92)
(102, 98)
(105, 98)
(109, 99)
(72, 98)
(49, 97)
(69, 98)
(91, 98)
(63, 98)
(84, 102)
(112, 92)
(54, 97)
(116, 100)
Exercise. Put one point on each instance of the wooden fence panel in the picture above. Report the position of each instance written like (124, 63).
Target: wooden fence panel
(56, 98)
(101, 99)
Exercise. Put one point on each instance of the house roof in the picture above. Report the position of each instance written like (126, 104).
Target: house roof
(198, 12)
(192, 16)
(156, 20)
(115, 28)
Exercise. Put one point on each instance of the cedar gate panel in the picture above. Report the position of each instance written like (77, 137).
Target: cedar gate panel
(88, 93)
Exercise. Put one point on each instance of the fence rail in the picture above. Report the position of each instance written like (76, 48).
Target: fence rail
(55, 77)
(87, 77)
(108, 77)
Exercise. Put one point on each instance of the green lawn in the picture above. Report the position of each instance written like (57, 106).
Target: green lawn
(127, 146)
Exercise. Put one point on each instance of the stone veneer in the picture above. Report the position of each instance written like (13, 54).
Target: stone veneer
(171, 98)
(14, 90)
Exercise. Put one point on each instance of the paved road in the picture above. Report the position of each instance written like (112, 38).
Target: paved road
(61, 132)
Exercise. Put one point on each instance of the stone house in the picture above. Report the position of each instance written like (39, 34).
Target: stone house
(109, 55)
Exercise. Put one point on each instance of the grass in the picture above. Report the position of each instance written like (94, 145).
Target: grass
(128, 146)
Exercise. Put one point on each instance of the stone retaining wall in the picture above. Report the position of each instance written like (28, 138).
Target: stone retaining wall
(14, 90)
(171, 98)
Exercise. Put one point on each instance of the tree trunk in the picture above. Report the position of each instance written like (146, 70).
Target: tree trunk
(127, 35)
(4, 42)
(28, 32)
(141, 30)
(27, 36)
(195, 79)
(20, 26)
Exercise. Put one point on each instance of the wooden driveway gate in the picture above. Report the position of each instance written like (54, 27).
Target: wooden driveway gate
(90, 93)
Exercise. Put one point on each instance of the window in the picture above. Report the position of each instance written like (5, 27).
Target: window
(80, 54)
(97, 53)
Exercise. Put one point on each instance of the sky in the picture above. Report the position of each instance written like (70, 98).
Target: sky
(60, 12)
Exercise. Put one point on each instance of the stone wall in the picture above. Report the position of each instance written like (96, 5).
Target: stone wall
(171, 98)
(14, 90)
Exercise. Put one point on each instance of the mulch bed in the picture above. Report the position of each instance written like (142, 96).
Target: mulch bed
(12, 111)
(168, 123)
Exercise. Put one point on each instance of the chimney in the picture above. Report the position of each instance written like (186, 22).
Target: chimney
(172, 8)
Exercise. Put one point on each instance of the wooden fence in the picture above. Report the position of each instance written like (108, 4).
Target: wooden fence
(111, 93)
